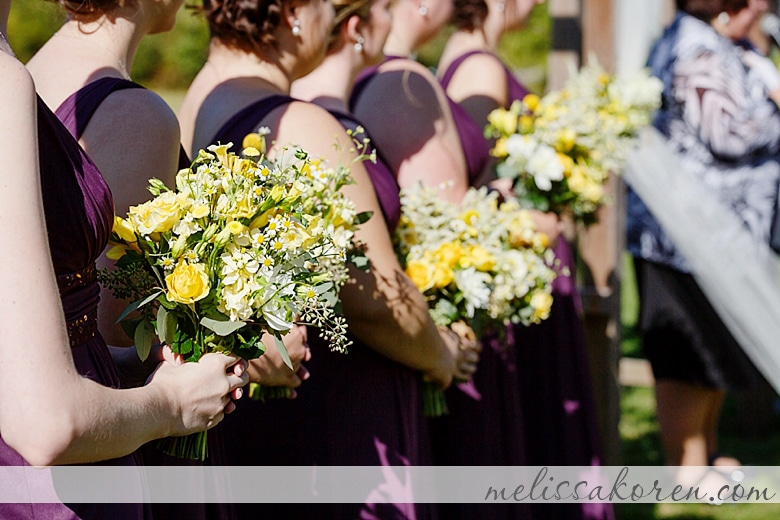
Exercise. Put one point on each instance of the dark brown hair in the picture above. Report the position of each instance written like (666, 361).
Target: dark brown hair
(469, 15)
(88, 10)
(245, 24)
(708, 9)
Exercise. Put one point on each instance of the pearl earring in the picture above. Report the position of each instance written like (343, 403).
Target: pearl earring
(423, 9)
(359, 44)
(296, 28)
(724, 18)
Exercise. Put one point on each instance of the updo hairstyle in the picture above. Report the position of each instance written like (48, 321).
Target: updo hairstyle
(244, 24)
(469, 15)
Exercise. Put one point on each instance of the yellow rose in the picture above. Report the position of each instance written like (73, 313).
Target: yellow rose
(420, 274)
(480, 258)
(499, 149)
(199, 210)
(531, 101)
(577, 180)
(124, 229)
(187, 283)
(158, 215)
(526, 124)
(566, 139)
(503, 120)
(541, 303)
(442, 275)
(593, 192)
(449, 253)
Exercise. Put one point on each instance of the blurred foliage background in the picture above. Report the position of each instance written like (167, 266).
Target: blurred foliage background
(170, 61)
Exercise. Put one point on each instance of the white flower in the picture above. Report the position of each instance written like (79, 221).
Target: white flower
(545, 167)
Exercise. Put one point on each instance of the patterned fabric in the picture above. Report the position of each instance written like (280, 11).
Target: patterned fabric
(718, 117)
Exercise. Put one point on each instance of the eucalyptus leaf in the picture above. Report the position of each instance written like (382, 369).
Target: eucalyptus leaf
(222, 328)
(360, 262)
(144, 336)
(137, 304)
(283, 351)
(166, 325)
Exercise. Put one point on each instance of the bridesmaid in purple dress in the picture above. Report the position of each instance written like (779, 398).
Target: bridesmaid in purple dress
(556, 394)
(57, 404)
(361, 408)
(444, 145)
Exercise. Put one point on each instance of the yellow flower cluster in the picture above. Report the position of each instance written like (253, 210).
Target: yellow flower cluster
(243, 241)
(561, 148)
(480, 261)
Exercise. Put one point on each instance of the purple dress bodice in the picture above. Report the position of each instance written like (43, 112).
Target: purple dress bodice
(476, 149)
(78, 208)
(382, 177)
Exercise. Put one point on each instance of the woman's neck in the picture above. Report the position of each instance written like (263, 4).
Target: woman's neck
(229, 63)
(330, 84)
(115, 39)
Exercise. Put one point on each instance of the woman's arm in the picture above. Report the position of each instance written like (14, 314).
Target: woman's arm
(383, 307)
(48, 412)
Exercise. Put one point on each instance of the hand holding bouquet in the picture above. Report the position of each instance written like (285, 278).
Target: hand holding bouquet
(241, 246)
(481, 263)
(561, 148)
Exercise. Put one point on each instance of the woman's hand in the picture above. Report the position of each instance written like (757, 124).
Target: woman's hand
(270, 370)
(548, 223)
(469, 348)
(201, 393)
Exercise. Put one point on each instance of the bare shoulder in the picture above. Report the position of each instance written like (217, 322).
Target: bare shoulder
(480, 73)
(16, 84)
(309, 126)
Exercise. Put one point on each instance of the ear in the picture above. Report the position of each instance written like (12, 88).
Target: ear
(289, 12)
(351, 29)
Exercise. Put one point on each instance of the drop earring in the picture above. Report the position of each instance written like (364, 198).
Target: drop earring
(359, 44)
(296, 28)
(500, 6)
(423, 8)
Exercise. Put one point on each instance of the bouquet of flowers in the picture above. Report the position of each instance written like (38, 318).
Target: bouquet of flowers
(242, 246)
(561, 148)
(481, 262)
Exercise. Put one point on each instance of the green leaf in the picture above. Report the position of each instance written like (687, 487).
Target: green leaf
(129, 326)
(283, 351)
(361, 262)
(222, 328)
(137, 305)
(166, 325)
(144, 336)
(363, 217)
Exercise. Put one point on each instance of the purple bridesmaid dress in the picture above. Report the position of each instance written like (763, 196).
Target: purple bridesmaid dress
(358, 409)
(79, 216)
(484, 424)
(76, 113)
(559, 412)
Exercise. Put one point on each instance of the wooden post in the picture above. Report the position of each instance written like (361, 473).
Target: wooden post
(600, 246)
